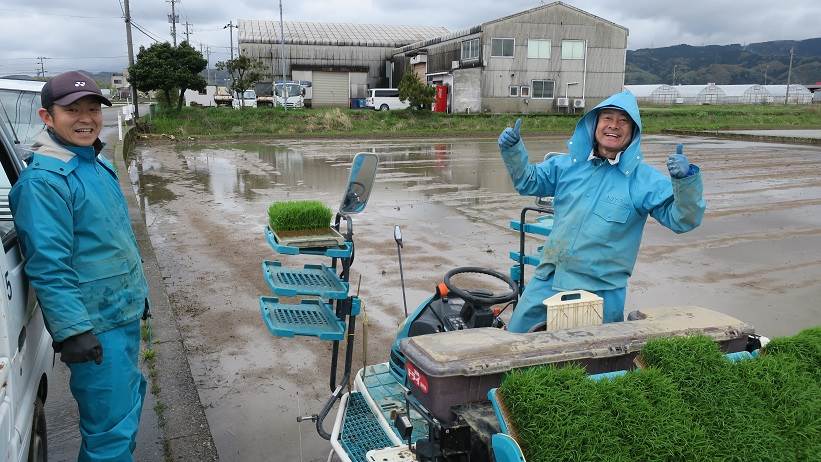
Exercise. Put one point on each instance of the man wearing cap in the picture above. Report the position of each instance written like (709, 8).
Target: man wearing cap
(602, 194)
(84, 263)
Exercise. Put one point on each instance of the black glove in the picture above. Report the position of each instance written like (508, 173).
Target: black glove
(81, 348)
(146, 310)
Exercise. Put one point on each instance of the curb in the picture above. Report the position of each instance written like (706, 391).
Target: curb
(184, 428)
(743, 137)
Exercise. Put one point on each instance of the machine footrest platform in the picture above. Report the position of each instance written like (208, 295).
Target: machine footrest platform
(318, 280)
(361, 431)
(311, 318)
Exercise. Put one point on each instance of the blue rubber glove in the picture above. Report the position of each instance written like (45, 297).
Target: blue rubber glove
(677, 163)
(511, 136)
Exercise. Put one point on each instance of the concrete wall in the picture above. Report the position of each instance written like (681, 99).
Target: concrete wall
(467, 90)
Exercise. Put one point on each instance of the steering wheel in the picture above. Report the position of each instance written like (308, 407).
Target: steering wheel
(485, 300)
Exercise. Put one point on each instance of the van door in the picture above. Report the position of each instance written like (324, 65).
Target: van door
(24, 342)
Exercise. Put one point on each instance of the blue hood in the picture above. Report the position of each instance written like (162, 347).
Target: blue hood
(581, 143)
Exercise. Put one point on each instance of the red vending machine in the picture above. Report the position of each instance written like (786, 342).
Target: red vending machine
(440, 103)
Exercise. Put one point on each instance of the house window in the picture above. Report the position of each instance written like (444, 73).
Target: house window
(572, 49)
(514, 90)
(470, 50)
(501, 47)
(543, 88)
(538, 49)
(524, 92)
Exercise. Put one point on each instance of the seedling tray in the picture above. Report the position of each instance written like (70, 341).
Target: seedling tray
(311, 238)
(542, 226)
(333, 250)
(310, 318)
(318, 280)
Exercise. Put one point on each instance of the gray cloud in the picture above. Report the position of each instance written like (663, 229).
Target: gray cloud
(63, 29)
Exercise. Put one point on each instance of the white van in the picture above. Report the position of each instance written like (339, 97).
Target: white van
(384, 99)
(26, 355)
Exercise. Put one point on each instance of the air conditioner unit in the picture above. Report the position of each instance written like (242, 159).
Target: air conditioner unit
(578, 103)
(418, 59)
(454, 64)
(562, 102)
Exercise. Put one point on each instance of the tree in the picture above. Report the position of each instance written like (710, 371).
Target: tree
(244, 72)
(162, 67)
(414, 91)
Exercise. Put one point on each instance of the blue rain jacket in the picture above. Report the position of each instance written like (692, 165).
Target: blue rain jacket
(601, 209)
(81, 254)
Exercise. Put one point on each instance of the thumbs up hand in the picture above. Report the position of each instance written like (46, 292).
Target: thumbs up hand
(511, 136)
(677, 164)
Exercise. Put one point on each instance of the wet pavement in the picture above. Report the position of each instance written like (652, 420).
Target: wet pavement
(755, 257)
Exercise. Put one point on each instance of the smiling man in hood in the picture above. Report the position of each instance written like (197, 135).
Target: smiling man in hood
(603, 192)
(83, 261)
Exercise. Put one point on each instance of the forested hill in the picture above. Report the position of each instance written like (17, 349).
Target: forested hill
(726, 64)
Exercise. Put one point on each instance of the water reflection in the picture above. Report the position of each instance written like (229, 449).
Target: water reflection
(454, 173)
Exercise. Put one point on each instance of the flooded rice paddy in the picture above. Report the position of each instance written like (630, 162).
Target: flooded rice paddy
(757, 255)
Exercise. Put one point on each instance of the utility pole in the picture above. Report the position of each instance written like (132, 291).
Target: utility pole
(173, 18)
(208, 64)
(674, 74)
(766, 68)
(42, 71)
(187, 34)
(231, 26)
(282, 58)
(789, 76)
(131, 60)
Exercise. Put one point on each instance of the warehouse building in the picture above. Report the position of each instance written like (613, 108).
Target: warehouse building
(340, 60)
(550, 58)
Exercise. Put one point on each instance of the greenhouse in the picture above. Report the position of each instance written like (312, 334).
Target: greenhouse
(720, 94)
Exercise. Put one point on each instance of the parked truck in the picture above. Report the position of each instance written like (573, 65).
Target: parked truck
(290, 94)
(222, 97)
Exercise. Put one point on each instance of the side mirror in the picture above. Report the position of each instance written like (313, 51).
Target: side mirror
(360, 183)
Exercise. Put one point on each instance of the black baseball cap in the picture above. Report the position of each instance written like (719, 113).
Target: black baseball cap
(68, 87)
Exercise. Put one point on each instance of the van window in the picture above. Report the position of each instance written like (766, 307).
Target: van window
(18, 109)
(386, 93)
(6, 222)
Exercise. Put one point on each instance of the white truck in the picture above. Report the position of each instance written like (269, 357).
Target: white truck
(26, 354)
(289, 94)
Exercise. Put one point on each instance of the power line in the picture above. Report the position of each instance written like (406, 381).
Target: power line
(37, 13)
(139, 28)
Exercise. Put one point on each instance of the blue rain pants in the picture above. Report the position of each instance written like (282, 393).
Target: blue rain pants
(110, 397)
(530, 310)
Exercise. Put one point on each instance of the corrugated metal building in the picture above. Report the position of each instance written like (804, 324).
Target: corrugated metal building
(548, 58)
(341, 60)
(552, 57)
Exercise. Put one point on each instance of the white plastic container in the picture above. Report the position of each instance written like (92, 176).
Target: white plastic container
(578, 308)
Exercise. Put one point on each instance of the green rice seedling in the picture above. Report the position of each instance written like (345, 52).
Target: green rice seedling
(688, 403)
(299, 215)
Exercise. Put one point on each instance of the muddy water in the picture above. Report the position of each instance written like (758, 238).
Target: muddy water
(757, 255)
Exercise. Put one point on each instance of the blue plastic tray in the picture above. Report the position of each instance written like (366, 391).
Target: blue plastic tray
(361, 431)
(343, 251)
(311, 318)
(532, 260)
(542, 226)
(318, 280)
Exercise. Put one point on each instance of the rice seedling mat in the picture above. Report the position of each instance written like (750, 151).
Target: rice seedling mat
(690, 403)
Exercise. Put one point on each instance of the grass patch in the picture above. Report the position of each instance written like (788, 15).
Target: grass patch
(223, 122)
(299, 215)
(690, 403)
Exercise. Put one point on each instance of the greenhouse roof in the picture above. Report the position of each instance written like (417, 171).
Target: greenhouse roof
(318, 33)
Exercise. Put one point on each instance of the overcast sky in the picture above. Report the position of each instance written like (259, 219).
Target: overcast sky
(74, 34)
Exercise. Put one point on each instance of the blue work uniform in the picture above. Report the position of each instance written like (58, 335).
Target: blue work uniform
(84, 263)
(600, 213)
